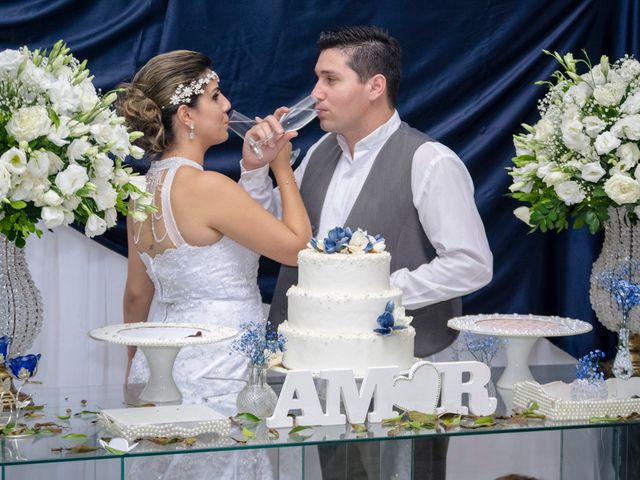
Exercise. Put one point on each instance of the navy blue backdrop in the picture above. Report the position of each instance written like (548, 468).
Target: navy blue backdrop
(468, 74)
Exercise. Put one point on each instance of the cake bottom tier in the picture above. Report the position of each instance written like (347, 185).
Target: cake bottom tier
(321, 351)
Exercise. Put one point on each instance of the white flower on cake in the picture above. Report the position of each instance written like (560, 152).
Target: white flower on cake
(343, 240)
(578, 159)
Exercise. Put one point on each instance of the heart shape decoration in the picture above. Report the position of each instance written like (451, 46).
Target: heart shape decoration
(419, 389)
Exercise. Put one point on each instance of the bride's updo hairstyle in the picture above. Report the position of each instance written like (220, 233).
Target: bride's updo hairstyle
(146, 101)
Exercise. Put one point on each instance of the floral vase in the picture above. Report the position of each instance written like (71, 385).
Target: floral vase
(620, 261)
(20, 300)
(257, 396)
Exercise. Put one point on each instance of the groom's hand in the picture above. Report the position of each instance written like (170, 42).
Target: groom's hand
(269, 131)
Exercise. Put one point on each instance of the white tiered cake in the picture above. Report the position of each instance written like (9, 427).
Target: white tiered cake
(333, 319)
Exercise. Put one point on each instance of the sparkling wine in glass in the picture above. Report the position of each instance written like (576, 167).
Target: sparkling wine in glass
(297, 117)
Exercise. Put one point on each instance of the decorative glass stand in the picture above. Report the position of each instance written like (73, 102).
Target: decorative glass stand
(521, 333)
(160, 343)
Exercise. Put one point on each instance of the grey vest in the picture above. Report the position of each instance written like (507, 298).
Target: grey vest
(384, 206)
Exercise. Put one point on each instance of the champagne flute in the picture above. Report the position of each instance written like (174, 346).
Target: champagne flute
(297, 117)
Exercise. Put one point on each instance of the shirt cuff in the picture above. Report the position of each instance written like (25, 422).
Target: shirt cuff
(251, 176)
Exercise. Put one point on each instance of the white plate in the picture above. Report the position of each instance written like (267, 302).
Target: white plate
(514, 325)
(157, 334)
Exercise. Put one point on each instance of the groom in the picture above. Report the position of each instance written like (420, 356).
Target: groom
(375, 172)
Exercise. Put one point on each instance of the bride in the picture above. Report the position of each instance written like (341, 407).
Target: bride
(198, 253)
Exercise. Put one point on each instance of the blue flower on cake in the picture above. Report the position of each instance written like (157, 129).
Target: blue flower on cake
(25, 367)
(387, 322)
(344, 240)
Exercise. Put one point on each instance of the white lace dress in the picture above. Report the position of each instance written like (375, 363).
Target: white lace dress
(202, 284)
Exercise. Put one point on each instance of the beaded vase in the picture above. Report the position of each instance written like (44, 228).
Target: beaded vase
(20, 300)
(257, 396)
(621, 248)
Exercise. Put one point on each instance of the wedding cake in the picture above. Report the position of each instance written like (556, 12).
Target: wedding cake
(343, 312)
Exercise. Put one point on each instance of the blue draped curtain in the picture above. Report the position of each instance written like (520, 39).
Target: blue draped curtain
(469, 69)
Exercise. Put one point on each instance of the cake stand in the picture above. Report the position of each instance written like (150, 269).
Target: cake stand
(160, 343)
(521, 333)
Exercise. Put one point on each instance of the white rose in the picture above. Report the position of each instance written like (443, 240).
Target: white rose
(29, 123)
(120, 144)
(572, 135)
(10, 61)
(111, 217)
(358, 242)
(524, 214)
(138, 181)
(24, 189)
(521, 186)
(5, 181)
(578, 94)
(622, 189)
(628, 126)
(102, 166)
(606, 142)
(58, 136)
(38, 165)
(609, 94)
(78, 129)
(72, 179)
(630, 69)
(595, 75)
(631, 104)
(544, 130)
(629, 154)
(544, 169)
(121, 177)
(64, 97)
(555, 178)
(593, 125)
(55, 163)
(103, 133)
(77, 149)
(95, 226)
(51, 198)
(52, 216)
(104, 195)
(592, 172)
(71, 203)
(88, 96)
(14, 160)
(569, 192)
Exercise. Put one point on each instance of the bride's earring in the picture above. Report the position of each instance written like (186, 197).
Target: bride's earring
(192, 134)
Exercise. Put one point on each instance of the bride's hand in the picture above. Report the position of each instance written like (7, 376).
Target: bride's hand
(269, 131)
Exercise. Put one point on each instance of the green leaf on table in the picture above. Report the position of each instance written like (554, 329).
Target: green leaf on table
(74, 436)
(450, 420)
(359, 428)
(247, 433)
(606, 419)
(428, 418)
(530, 411)
(32, 408)
(84, 412)
(273, 433)
(140, 405)
(82, 449)
(299, 428)
(392, 421)
(33, 415)
(247, 416)
(64, 417)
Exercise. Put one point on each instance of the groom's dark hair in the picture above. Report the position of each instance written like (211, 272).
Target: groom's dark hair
(371, 51)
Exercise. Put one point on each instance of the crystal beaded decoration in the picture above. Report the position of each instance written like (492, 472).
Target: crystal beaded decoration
(20, 300)
(621, 246)
(257, 397)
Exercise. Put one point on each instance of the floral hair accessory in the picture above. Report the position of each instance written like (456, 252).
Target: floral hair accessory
(184, 93)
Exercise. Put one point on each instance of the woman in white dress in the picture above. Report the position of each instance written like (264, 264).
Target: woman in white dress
(198, 254)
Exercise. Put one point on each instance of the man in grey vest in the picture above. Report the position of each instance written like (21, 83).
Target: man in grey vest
(375, 172)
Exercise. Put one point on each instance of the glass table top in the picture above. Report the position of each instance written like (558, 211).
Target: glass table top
(82, 429)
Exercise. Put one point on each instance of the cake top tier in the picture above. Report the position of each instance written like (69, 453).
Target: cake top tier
(343, 240)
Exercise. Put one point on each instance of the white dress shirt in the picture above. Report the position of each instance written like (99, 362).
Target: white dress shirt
(442, 192)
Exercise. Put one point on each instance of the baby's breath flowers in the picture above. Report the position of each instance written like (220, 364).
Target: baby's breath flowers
(62, 148)
(582, 156)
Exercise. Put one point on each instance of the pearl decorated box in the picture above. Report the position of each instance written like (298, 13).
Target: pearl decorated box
(163, 421)
(554, 399)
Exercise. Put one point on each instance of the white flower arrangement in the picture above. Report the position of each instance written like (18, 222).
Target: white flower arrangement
(62, 148)
(582, 156)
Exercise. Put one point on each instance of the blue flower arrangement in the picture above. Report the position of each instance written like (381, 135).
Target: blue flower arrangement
(386, 321)
(624, 291)
(23, 368)
(588, 367)
(5, 343)
(258, 342)
(344, 240)
(482, 347)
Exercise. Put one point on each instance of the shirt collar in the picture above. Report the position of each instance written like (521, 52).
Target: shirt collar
(375, 139)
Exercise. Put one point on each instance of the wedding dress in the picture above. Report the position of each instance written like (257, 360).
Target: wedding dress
(214, 284)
